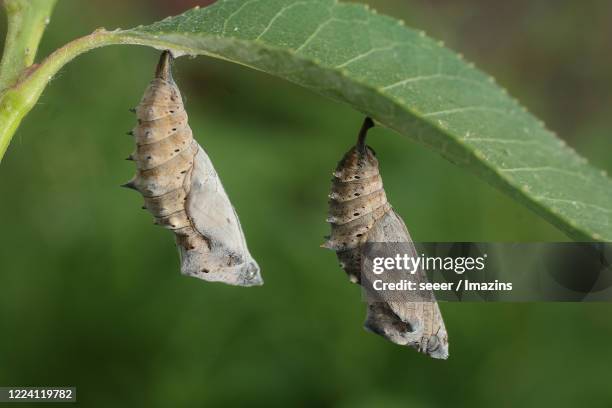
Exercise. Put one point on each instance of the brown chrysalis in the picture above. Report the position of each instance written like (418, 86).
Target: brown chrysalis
(360, 214)
(182, 189)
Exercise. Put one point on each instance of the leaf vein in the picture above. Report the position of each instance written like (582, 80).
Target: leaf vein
(467, 109)
(235, 13)
(368, 53)
(430, 77)
(279, 14)
(504, 141)
(544, 169)
(321, 27)
(574, 203)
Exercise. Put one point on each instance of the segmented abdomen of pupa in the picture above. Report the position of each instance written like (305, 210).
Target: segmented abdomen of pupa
(357, 200)
(182, 190)
(164, 155)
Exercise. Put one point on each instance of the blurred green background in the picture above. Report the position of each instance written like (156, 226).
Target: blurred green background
(90, 291)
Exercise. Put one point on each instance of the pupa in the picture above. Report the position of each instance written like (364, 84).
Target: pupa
(359, 214)
(182, 190)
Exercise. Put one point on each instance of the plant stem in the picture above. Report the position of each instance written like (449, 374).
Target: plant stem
(22, 83)
(27, 20)
(18, 100)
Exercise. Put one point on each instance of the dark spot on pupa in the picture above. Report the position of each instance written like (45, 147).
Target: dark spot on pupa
(228, 220)
(359, 235)
(356, 215)
(149, 157)
(357, 177)
(357, 194)
(184, 171)
(402, 327)
(177, 150)
(205, 270)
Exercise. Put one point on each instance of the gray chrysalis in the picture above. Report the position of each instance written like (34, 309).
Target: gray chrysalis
(182, 190)
(360, 214)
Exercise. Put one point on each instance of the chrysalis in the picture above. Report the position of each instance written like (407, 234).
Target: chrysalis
(359, 214)
(182, 189)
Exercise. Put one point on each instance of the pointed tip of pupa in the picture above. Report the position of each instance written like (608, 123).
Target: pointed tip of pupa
(440, 354)
(131, 185)
(328, 245)
(331, 220)
(164, 66)
(368, 124)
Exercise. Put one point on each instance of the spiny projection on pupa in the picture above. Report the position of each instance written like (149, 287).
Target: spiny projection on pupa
(182, 190)
(359, 214)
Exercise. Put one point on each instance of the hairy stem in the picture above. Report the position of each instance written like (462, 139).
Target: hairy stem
(18, 100)
(27, 20)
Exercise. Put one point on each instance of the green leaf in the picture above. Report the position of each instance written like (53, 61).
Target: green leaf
(406, 82)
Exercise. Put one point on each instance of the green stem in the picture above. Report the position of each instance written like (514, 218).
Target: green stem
(17, 101)
(27, 20)
(22, 83)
